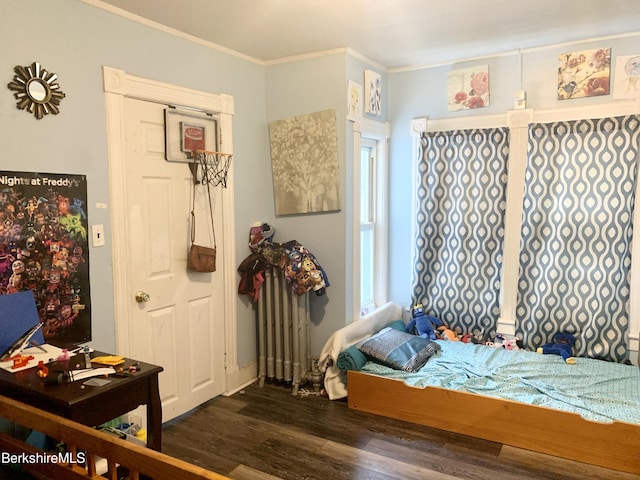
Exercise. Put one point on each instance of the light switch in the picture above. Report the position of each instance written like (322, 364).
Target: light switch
(97, 234)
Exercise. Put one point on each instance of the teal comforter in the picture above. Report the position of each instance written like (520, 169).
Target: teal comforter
(595, 389)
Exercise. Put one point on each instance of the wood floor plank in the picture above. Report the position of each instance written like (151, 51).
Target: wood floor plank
(269, 434)
(183, 443)
(361, 458)
(571, 470)
(294, 461)
(454, 462)
(333, 420)
(242, 472)
(230, 404)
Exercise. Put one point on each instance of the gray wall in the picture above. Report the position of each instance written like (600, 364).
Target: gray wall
(309, 86)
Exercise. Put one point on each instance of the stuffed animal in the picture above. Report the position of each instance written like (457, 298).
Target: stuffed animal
(501, 341)
(475, 338)
(479, 338)
(448, 334)
(421, 324)
(562, 345)
(511, 344)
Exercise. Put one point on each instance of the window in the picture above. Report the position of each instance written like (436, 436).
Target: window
(370, 213)
(460, 226)
(576, 240)
(367, 224)
(567, 262)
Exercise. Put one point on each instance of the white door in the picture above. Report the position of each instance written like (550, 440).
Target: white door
(181, 326)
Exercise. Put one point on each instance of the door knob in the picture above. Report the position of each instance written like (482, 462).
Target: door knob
(142, 296)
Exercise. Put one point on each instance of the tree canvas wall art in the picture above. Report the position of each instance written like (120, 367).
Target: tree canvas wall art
(304, 161)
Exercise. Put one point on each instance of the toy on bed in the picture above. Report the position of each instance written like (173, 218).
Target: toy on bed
(421, 324)
(562, 345)
(506, 342)
(448, 334)
(511, 344)
(475, 338)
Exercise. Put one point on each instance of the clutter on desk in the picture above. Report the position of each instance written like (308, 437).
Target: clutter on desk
(57, 377)
(22, 347)
(20, 360)
(64, 356)
(31, 357)
(109, 360)
(56, 366)
(43, 370)
(96, 382)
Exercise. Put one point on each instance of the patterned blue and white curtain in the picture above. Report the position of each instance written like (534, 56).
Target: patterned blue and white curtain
(576, 234)
(460, 226)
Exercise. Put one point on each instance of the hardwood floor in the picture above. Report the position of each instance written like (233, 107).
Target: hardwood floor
(266, 433)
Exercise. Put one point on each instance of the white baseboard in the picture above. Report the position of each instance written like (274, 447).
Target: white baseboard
(241, 378)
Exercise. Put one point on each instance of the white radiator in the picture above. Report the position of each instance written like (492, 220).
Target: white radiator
(284, 342)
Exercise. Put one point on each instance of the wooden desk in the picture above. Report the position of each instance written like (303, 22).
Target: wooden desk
(92, 406)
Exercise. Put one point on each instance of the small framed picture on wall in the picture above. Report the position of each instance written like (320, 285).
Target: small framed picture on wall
(627, 77)
(585, 73)
(468, 88)
(354, 102)
(372, 92)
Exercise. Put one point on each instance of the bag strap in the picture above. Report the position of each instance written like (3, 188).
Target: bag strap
(205, 180)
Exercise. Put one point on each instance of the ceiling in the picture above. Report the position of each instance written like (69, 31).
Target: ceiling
(394, 33)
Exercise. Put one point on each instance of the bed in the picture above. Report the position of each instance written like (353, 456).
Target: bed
(562, 422)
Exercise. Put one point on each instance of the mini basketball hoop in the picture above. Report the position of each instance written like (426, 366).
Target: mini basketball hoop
(215, 166)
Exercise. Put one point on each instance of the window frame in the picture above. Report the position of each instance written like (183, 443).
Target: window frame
(378, 133)
(368, 219)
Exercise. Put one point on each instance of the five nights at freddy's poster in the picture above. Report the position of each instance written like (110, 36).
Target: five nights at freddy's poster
(44, 248)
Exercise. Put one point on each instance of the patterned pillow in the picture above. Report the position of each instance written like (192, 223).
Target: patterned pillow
(399, 350)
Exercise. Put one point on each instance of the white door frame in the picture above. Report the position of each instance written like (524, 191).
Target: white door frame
(117, 85)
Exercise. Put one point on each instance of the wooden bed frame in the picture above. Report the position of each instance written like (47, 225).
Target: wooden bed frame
(138, 460)
(540, 429)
